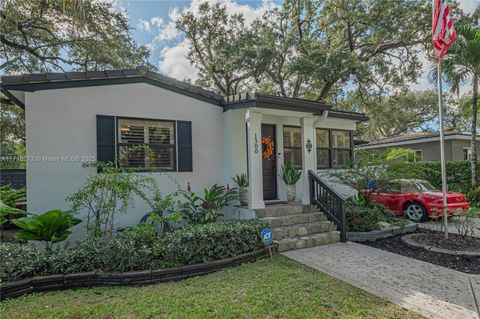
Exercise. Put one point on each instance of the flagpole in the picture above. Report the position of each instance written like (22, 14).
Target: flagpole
(442, 149)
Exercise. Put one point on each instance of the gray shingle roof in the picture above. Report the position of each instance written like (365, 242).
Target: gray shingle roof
(55, 78)
(411, 137)
(31, 82)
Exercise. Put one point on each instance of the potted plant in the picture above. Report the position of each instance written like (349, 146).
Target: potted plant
(290, 176)
(242, 183)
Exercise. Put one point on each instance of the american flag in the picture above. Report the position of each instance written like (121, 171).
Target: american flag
(443, 33)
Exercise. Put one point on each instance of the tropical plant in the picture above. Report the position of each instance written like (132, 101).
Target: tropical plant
(6, 210)
(463, 65)
(200, 210)
(241, 180)
(108, 193)
(51, 227)
(5, 213)
(218, 197)
(11, 196)
(290, 174)
(165, 210)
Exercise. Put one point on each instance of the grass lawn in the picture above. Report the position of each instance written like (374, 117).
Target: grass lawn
(278, 288)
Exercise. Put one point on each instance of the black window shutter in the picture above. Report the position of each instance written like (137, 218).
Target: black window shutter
(105, 138)
(184, 133)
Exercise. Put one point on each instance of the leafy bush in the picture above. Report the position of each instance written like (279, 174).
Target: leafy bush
(108, 193)
(458, 173)
(19, 261)
(364, 219)
(136, 248)
(202, 243)
(474, 197)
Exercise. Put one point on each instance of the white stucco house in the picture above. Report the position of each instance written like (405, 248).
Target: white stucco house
(197, 135)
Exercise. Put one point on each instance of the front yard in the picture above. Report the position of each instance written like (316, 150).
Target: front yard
(278, 288)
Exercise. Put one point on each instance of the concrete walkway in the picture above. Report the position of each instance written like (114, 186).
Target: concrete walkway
(431, 290)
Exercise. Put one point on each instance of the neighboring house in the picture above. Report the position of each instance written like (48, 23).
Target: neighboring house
(198, 136)
(426, 145)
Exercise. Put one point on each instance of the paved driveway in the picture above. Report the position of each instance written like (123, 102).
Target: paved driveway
(436, 225)
(431, 290)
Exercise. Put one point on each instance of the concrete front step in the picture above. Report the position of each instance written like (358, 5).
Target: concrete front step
(282, 221)
(285, 210)
(308, 241)
(303, 229)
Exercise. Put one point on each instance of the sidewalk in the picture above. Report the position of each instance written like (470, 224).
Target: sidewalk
(431, 290)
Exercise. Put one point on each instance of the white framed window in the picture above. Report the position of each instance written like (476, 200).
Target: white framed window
(334, 148)
(292, 145)
(158, 135)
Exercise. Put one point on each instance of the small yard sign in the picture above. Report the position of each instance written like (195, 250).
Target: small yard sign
(267, 238)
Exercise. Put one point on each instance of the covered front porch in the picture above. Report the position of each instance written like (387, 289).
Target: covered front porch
(308, 134)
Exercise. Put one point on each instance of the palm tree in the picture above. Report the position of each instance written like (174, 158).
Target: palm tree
(462, 65)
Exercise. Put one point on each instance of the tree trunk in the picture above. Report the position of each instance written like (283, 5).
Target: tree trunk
(474, 132)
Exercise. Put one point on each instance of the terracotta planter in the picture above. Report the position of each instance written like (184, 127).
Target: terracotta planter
(243, 192)
(291, 193)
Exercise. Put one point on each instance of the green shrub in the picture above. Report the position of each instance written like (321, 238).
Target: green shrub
(364, 219)
(202, 243)
(136, 248)
(18, 261)
(474, 197)
(458, 173)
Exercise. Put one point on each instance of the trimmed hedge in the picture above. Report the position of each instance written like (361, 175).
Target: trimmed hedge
(458, 173)
(136, 248)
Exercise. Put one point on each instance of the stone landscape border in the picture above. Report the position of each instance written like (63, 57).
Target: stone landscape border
(99, 278)
(408, 241)
(382, 233)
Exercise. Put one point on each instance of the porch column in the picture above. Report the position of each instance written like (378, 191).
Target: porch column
(308, 152)
(255, 174)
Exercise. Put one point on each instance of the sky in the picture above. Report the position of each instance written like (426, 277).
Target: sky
(154, 26)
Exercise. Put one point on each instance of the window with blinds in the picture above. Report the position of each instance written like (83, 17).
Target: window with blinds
(334, 148)
(146, 143)
(292, 145)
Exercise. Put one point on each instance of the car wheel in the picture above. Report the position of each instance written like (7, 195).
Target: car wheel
(416, 212)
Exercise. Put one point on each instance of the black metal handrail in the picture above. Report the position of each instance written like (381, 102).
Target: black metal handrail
(329, 201)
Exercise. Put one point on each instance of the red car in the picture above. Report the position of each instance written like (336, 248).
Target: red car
(417, 199)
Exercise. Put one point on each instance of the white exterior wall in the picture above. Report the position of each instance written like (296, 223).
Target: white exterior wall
(236, 150)
(62, 122)
(235, 144)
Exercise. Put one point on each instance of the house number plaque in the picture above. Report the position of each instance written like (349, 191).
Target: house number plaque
(255, 143)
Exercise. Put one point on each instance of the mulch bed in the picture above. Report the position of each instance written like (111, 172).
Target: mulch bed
(466, 264)
(454, 241)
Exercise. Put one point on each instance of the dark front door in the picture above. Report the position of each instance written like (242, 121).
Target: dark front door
(269, 165)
